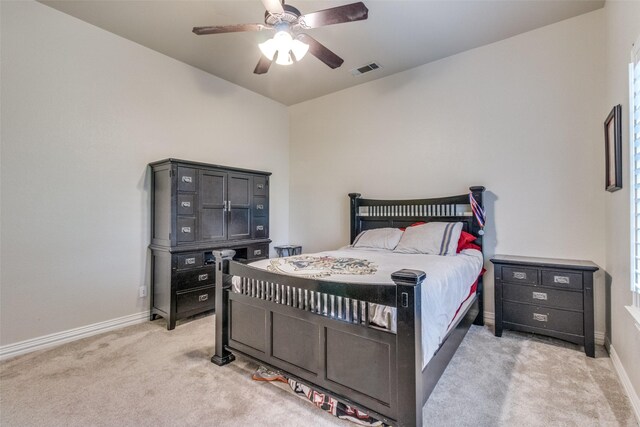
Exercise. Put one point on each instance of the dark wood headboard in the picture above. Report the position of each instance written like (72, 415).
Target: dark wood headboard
(367, 214)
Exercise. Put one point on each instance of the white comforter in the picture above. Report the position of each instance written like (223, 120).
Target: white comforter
(446, 287)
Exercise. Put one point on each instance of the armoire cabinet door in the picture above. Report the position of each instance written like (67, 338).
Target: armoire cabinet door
(239, 205)
(212, 195)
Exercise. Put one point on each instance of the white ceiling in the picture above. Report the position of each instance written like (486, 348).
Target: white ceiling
(398, 35)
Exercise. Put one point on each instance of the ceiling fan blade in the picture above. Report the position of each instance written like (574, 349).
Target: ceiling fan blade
(318, 50)
(335, 15)
(274, 7)
(263, 65)
(219, 29)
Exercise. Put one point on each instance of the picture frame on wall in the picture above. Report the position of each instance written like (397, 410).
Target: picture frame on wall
(613, 149)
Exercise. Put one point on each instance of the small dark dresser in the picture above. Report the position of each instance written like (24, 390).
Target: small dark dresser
(198, 208)
(552, 297)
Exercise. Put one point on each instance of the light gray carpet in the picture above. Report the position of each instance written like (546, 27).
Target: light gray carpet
(145, 375)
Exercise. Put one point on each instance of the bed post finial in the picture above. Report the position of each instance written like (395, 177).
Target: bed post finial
(222, 355)
(354, 214)
(409, 345)
(477, 229)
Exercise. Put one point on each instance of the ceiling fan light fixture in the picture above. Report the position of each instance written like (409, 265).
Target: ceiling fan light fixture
(285, 45)
(268, 48)
(299, 49)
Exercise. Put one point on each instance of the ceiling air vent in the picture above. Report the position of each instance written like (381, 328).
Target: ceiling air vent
(365, 69)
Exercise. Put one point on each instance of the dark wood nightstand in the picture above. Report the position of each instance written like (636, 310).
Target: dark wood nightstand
(288, 250)
(552, 297)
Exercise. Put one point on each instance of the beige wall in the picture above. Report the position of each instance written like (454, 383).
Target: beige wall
(522, 117)
(622, 22)
(83, 112)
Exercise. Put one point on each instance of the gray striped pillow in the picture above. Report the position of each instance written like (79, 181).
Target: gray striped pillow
(435, 238)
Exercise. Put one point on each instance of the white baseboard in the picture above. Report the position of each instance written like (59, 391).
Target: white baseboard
(490, 320)
(52, 340)
(626, 382)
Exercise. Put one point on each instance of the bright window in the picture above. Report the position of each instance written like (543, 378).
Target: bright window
(634, 144)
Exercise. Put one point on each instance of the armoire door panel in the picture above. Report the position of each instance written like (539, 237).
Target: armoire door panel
(213, 224)
(212, 210)
(239, 223)
(212, 189)
(239, 190)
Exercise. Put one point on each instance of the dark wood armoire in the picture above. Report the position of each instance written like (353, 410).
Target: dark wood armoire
(197, 208)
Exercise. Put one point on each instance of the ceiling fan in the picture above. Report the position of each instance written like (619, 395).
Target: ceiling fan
(289, 45)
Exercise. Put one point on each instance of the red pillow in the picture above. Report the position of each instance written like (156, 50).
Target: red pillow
(465, 242)
(416, 223)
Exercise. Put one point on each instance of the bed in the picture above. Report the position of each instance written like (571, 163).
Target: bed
(370, 344)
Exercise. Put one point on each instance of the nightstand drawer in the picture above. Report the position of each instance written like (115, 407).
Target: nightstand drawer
(195, 278)
(523, 275)
(562, 279)
(569, 322)
(542, 296)
(199, 299)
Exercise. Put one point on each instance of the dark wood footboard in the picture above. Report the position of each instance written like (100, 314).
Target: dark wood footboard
(370, 368)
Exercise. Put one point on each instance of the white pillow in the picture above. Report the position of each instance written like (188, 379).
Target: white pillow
(436, 238)
(381, 238)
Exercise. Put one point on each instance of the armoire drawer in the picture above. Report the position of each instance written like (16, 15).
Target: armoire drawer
(260, 228)
(190, 260)
(186, 229)
(186, 179)
(195, 278)
(258, 251)
(260, 206)
(186, 204)
(198, 299)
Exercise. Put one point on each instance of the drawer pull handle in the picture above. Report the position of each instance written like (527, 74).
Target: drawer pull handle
(260, 207)
(187, 179)
(203, 297)
(260, 186)
(540, 295)
(186, 204)
(257, 252)
(186, 229)
(540, 317)
(519, 275)
(190, 261)
(203, 277)
(260, 227)
(561, 279)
